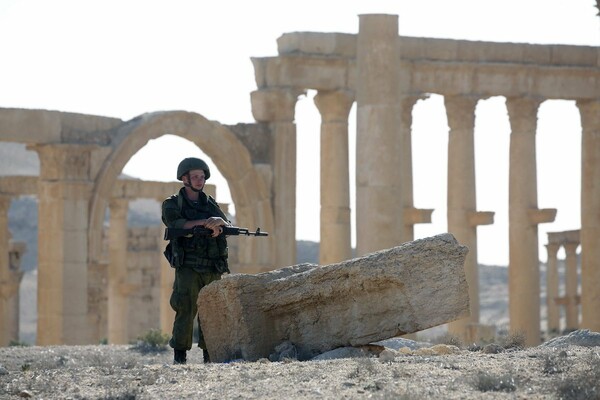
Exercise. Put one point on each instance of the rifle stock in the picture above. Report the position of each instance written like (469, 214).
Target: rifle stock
(173, 233)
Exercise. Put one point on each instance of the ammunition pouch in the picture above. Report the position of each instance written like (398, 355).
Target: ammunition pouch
(174, 254)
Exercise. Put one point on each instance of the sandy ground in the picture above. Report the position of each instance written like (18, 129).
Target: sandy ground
(126, 372)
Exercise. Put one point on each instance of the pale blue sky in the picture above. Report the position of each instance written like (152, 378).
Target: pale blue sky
(124, 58)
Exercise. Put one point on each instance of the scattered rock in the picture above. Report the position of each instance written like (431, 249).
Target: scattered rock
(388, 355)
(398, 343)
(342, 352)
(582, 337)
(3, 371)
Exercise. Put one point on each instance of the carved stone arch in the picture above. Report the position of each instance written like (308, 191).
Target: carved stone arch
(249, 189)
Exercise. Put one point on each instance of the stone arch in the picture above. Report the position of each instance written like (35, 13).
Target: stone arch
(248, 188)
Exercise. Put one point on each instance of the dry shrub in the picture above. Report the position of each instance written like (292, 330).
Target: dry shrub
(449, 339)
(152, 341)
(487, 382)
(583, 384)
(513, 340)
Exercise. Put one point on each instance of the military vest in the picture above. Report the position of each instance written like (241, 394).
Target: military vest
(199, 252)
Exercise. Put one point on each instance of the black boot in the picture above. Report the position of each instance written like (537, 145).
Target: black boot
(206, 356)
(180, 357)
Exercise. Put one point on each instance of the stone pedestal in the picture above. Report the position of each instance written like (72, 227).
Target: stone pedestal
(379, 197)
(335, 244)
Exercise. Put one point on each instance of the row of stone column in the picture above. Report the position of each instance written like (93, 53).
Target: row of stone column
(384, 211)
(570, 299)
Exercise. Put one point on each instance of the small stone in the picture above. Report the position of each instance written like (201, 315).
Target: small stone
(25, 393)
(3, 371)
(387, 355)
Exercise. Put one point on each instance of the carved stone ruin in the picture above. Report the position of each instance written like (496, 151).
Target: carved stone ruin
(562, 293)
(384, 75)
(384, 294)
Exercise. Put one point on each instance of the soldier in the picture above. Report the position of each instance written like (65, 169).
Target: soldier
(198, 261)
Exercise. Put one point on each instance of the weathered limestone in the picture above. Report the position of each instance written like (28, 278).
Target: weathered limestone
(405, 289)
(118, 305)
(64, 195)
(386, 73)
(570, 299)
(379, 197)
(412, 215)
(144, 247)
(10, 277)
(4, 272)
(524, 215)
(278, 107)
(552, 310)
(590, 214)
(462, 203)
(335, 243)
(572, 306)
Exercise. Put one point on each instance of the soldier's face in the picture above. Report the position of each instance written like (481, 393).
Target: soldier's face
(197, 179)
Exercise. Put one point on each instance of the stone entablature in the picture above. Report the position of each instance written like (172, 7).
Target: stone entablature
(328, 61)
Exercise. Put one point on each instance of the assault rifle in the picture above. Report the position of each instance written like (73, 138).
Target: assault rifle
(172, 233)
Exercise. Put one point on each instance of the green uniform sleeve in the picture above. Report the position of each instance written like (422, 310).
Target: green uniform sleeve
(171, 215)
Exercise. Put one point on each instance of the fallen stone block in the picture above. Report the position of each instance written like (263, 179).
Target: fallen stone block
(405, 289)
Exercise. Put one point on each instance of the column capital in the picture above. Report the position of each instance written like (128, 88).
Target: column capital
(570, 248)
(552, 249)
(589, 110)
(334, 105)
(64, 162)
(460, 111)
(275, 105)
(522, 113)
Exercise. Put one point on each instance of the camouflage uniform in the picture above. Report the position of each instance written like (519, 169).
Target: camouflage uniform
(202, 260)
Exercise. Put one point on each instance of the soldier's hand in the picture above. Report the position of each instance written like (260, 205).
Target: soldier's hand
(215, 224)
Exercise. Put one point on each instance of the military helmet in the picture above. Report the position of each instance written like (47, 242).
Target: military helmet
(190, 163)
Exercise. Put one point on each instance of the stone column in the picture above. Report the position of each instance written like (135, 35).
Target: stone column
(552, 289)
(64, 189)
(524, 216)
(572, 298)
(117, 272)
(462, 203)
(379, 197)
(16, 276)
(5, 292)
(412, 215)
(278, 107)
(590, 214)
(335, 245)
(167, 277)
